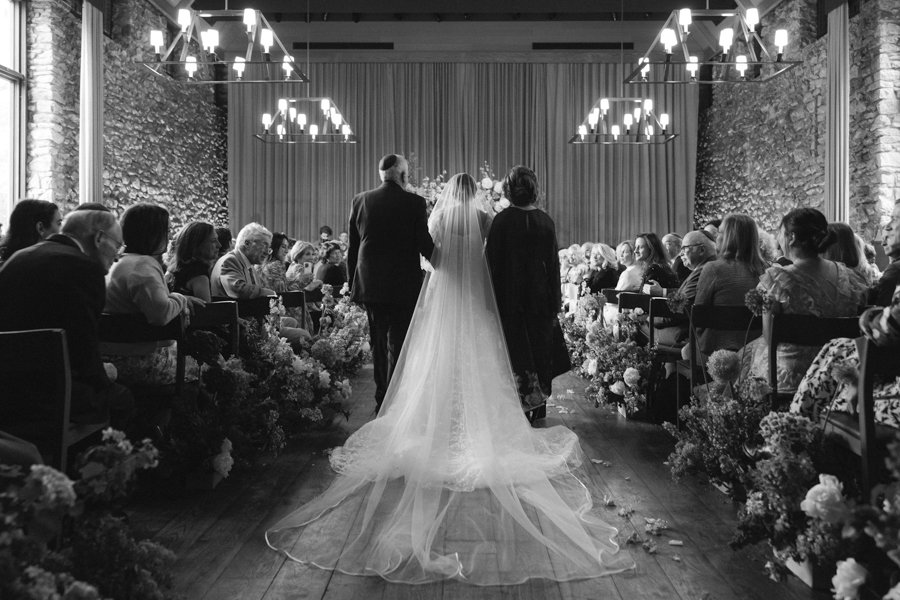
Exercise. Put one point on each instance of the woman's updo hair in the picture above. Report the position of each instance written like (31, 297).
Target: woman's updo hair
(810, 229)
(520, 186)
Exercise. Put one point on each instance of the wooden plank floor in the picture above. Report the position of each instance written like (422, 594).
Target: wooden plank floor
(218, 535)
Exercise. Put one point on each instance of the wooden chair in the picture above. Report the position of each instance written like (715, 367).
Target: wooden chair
(860, 433)
(34, 366)
(632, 300)
(803, 330)
(659, 309)
(216, 314)
(134, 328)
(718, 318)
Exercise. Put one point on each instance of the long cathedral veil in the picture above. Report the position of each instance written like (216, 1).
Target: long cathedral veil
(450, 480)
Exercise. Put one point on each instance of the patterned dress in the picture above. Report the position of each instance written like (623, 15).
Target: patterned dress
(800, 293)
(821, 389)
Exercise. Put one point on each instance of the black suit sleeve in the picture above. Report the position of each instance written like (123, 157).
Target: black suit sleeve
(82, 332)
(353, 248)
(423, 238)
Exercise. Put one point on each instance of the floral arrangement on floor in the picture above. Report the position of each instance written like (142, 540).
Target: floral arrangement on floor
(717, 426)
(786, 503)
(617, 366)
(62, 539)
(253, 403)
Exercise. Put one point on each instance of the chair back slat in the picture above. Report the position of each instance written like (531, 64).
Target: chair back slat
(37, 385)
(215, 314)
(611, 294)
(252, 308)
(659, 309)
(632, 300)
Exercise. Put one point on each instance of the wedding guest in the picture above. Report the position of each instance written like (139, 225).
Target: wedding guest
(672, 244)
(848, 250)
(650, 256)
(726, 280)
(136, 285)
(330, 271)
(194, 251)
(698, 251)
(821, 390)
(811, 285)
(388, 235)
(302, 258)
(325, 235)
(604, 269)
(712, 226)
(575, 274)
(880, 294)
(59, 283)
(273, 272)
(521, 252)
(226, 241)
(630, 278)
(233, 275)
(30, 222)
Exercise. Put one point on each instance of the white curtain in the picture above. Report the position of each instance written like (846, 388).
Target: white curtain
(90, 136)
(837, 122)
(456, 116)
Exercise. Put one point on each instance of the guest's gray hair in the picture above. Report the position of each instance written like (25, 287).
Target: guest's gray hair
(250, 233)
(396, 169)
(83, 224)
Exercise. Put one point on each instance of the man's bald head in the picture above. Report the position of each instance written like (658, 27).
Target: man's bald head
(696, 249)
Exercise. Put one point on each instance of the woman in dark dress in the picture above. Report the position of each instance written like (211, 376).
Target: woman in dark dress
(651, 256)
(521, 253)
(194, 251)
(331, 271)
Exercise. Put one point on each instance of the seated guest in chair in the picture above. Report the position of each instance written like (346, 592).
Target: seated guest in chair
(880, 294)
(59, 283)
(672, 243)
(272, 272)
(194, 251)
(651, 257)
(136, 285)
(697, 250)
(30, 222)
(821, 390)
(330, 271)
(234, 276)
(631, 275)
(604, 269)
(811, 285)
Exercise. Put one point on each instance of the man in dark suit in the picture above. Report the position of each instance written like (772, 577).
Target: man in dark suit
(388, 231)
(60, 283)
(883, 291)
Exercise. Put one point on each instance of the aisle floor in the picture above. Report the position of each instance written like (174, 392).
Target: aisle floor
(218, 535)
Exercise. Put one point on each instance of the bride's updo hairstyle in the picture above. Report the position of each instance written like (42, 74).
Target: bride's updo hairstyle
(520, 186)
(810, 230)
(462, 187)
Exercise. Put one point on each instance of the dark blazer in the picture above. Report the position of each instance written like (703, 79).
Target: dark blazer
(54, 284)
(333, 275)
(882, 292)
(388, 231)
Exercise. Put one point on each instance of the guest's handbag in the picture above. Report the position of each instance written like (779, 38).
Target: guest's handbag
(559, 353)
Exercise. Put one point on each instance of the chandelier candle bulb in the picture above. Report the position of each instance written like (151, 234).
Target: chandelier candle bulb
(692, 66)
(325, 105)
(649, 131)
(313, 130)
(726, 38)
(594, 118)
(667, 37)
(648, 105)
(752, 18)
(637, 115)
(781, 40)
(240, 63)
(345, 129)
(287, 66)
(184, 19)
(190, 65)
(249, 19)
(582, 131)
(664, 121)
(336, 119)
(157, 41)
(280, 130)
(292, 114)
(266, 121)
(628, 120)
(615, 132)
(282, 105)
(684, 19)
(645, 69)
(741, 65)
(604, 105)
(301, 121)
(266, 40)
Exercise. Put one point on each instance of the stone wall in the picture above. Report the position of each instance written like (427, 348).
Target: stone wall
(762, 148)
(164, 141)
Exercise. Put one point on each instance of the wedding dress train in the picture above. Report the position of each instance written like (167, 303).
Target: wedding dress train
(450, 480)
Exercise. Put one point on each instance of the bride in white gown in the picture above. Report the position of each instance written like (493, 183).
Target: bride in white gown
(450, 480)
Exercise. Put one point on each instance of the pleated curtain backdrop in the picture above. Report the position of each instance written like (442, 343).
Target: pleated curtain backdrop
(90, 134)
(454, 116)
(837, 116)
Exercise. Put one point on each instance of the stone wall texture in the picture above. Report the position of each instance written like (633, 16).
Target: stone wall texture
(164, 141)
(761, 148)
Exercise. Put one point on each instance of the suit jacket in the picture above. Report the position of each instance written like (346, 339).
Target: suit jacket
(54, 284)
(234, 277)
(882, 292)
(388, 231)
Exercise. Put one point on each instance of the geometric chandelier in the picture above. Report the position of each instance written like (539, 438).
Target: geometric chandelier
(306, 121)
(200, 56)
(741, 56)
(628, 121)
